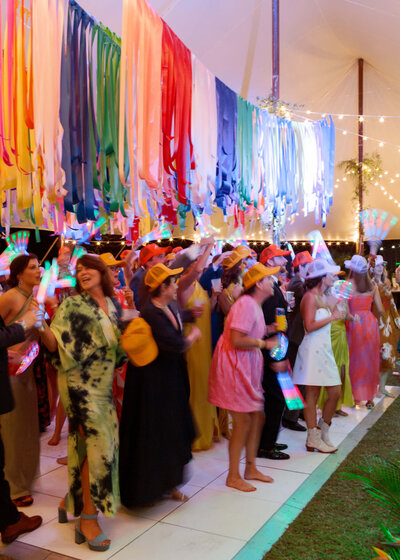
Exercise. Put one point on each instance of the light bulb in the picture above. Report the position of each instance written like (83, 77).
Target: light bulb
(344, 132)
(361, 118)
(340, 117)
(381, 119)
(365, 137)
(380, 144)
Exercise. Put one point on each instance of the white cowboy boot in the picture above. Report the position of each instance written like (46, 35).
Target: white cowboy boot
(325, 432)
(314, 442)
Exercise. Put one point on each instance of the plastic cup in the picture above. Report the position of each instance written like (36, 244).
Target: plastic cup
(289, 297)
(216, 284)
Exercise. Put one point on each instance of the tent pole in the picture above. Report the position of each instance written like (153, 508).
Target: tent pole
(360, 152)
(275, 92)
(275, 49)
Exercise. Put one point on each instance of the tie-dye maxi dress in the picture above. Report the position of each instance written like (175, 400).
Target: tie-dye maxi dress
(88, 349)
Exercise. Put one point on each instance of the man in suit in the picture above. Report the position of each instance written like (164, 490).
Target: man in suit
(274, 405)
(12, 522)
(295, 332)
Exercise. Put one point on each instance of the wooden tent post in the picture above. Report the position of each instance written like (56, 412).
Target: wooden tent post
(275, 91)
(360, 152)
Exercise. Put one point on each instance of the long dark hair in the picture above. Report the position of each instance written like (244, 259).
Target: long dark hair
(95, 263)
(231, 275)
(310, 283)
(18, 265)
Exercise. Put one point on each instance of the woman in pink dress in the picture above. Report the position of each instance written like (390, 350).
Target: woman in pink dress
(363, 333)
(235, 381)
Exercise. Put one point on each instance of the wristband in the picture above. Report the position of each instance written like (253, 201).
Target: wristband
(22, 323)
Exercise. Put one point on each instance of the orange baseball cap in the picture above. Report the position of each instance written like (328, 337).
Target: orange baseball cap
(272, 251)
(156, 275)
(302, 258)
(256, 273)
(151, 250)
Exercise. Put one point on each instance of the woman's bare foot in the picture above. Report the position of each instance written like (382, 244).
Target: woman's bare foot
(177, 495)
(251, 473)
(239, 484)
(54, 440)
(90, 528)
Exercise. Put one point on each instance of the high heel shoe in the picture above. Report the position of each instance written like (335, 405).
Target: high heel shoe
(62, 513)
(93, 544)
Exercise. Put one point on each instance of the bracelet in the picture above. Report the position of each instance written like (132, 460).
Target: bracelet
(22, 323)
(260, 343)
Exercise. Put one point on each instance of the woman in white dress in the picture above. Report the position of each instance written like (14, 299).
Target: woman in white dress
(315, 365)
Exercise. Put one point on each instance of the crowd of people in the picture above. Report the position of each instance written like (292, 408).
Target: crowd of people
(160, 354)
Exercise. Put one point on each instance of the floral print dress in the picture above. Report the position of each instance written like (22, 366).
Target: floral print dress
(88, 351)
(389, 324)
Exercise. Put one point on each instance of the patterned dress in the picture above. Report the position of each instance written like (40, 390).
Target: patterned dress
(388, 328)
(363, 339)
(88, 347)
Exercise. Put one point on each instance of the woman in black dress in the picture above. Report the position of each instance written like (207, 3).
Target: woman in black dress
(156, 430)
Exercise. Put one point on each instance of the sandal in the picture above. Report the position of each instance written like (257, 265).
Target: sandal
(98, 544)
(23, 501)
(341, 413)
(370, 405)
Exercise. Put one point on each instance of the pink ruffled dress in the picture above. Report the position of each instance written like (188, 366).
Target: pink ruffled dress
(235, 381)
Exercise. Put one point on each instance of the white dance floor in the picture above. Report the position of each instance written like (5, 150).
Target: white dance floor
(217, 523)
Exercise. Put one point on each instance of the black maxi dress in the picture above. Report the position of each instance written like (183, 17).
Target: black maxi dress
(156, 429)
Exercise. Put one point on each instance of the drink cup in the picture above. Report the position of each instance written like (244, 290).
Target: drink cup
(280, 319)
(216, 284)
(289, 298)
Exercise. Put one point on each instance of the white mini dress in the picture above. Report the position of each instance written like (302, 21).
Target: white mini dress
(315, 363)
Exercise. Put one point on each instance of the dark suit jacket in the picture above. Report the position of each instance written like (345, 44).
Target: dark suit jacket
(296, 328)
(269, 309)
(13, 334)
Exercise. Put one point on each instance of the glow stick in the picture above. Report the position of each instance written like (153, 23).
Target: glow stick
(44, 284)
(292, 395)
(77, 254)
(18, 243)
(31, 354)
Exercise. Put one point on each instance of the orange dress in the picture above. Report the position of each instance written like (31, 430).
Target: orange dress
(364, 344)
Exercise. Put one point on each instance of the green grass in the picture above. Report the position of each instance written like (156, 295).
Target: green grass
(341, 522)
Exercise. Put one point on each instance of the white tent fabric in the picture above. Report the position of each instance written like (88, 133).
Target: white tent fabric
(320, 42)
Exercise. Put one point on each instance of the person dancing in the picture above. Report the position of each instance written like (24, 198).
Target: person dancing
(389, 323)
(85, 331)
(363, 335)
(315, 365)
(235, 381)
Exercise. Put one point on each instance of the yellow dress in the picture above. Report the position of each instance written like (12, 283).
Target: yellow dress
(341, 354)
(198, 359)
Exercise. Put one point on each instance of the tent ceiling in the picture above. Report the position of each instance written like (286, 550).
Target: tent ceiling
(320, 42)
